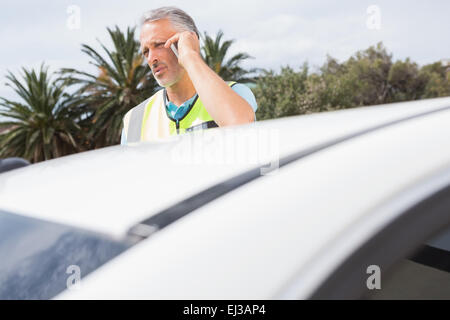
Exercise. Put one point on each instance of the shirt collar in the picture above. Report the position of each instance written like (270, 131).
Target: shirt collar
(177, 112)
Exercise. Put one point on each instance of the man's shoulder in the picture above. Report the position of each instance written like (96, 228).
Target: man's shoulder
(241, 88)
(245, 92)
(235, 84)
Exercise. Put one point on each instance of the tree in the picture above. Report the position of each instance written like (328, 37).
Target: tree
(43, 125)
(370, 68)
(123, 81)
(369, 77)
(438, 80)
(281, 95)
(339, 89)
(214, 52)
(406, 81)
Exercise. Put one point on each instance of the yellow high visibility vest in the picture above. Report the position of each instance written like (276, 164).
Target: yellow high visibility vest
(150, 121)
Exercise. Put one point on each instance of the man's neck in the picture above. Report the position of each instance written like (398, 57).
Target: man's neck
(180, 92)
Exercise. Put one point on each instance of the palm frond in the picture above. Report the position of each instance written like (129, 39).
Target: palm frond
(215, 51)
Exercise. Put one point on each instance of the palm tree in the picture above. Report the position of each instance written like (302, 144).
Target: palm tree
(42, 126)
(123, 80)
(214, 52)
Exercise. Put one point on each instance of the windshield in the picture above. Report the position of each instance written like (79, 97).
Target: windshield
(39, 259)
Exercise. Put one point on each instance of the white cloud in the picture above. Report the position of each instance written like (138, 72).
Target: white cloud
(275, 33)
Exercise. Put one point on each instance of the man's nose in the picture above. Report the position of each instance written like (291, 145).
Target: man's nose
(152, 58)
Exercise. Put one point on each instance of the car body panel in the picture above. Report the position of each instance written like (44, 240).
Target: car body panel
(299, 223)
(112, 189)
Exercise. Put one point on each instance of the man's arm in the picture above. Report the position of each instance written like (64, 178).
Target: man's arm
(224, 105)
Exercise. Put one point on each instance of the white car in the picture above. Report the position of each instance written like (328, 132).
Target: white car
(346, 204)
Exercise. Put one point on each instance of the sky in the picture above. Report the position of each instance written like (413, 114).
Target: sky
(275, 33)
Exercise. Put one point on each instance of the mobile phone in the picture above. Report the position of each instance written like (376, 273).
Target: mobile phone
(174, 49)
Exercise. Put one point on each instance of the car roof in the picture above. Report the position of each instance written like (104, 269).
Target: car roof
(111, 189)
(282, 235)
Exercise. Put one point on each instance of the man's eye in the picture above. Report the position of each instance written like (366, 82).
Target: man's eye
(145, 52)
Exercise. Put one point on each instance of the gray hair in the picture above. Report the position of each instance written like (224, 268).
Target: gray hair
(180, 19)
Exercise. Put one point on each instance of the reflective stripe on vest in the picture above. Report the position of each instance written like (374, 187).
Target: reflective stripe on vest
(150, 120)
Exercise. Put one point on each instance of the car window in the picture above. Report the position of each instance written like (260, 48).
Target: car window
(424, 275)
(409, 258)
(39, 259)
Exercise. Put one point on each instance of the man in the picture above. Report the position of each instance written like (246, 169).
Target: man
(193, 96)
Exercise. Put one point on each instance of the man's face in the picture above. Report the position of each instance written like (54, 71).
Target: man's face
(162, 61)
